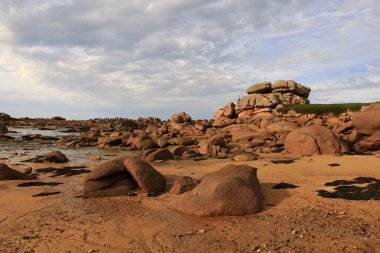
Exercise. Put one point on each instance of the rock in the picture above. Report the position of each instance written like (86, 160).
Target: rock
(3, 128)
(7, 173)
(281, 127)
(314, 140)
(122, 175)
(204, 147)
(184, 184)
(264, 87)
(181, 117)
(162, 142)
(96, 157)
(58, 118)
(245, 157)
(262, 96)
(370, 143)
(109, 141)
(109, 179)
(232, 190)
(147, 178)
(4, 117)
(183, 141)
(159, 155)
(28, 170)
(217, 140)
(52, 157)
(290, 86)
(147, 144)
(367, 122)
(178, 150)
(223, 121)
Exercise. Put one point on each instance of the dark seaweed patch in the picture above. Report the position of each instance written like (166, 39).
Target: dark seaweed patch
(282, 161)
(283, 185)
(65, 171)
(345, 189)
(28, 184)
(44, 194)
(334, 164)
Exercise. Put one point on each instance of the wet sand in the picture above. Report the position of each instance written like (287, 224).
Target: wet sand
(294, 220)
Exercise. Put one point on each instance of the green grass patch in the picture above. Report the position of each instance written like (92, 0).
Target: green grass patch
(320, 109)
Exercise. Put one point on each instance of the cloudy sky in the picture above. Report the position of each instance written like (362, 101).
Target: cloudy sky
(109, 58)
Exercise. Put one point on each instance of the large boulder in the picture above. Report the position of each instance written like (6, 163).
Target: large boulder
(314, 140)
(290, 86)
(232, 190)
(368, 121)
(3, 128)
(181, 117)
(264, 87)
(162, 154)
(52, 157)
(7, 173)
(122, 175)
(148, 179)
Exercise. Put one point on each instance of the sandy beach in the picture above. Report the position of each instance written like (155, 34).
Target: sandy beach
(293, 220)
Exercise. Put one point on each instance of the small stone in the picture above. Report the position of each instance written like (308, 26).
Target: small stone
(96, 157)
(201, 231)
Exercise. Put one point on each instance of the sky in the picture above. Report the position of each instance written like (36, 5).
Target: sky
(83, 59)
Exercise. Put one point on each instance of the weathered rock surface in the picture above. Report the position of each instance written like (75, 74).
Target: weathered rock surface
(52, 157)
(184, 184)
(3, 128)
(369, 143)
(4, 117)
(181, 117)
(159, 155)
(314, 140)
(264, 87)
(261, 101)
(147, 177)
(232, 190)
(122, 175)
(368, 121)
(7, 173)
(244, 157)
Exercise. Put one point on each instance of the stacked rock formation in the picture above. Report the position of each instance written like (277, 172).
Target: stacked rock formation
(122, 175)
(262, 98)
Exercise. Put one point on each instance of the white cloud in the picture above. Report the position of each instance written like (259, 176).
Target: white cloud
(141, 58)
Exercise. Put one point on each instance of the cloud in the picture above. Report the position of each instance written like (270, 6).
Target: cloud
(142, 57)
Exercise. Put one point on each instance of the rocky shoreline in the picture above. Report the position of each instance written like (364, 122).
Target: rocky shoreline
(237, 164)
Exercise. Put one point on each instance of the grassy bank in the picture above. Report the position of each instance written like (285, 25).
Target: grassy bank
(319, 109)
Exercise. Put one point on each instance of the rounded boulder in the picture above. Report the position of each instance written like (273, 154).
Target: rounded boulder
(232, 190)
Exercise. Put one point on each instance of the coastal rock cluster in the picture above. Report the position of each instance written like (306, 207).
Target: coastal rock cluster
(261, 101)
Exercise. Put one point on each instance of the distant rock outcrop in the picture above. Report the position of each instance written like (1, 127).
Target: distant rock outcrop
(4, 117)
(262, 98)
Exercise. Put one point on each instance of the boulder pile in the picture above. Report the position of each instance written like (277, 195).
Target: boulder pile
(262, 98)
(121, 176)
